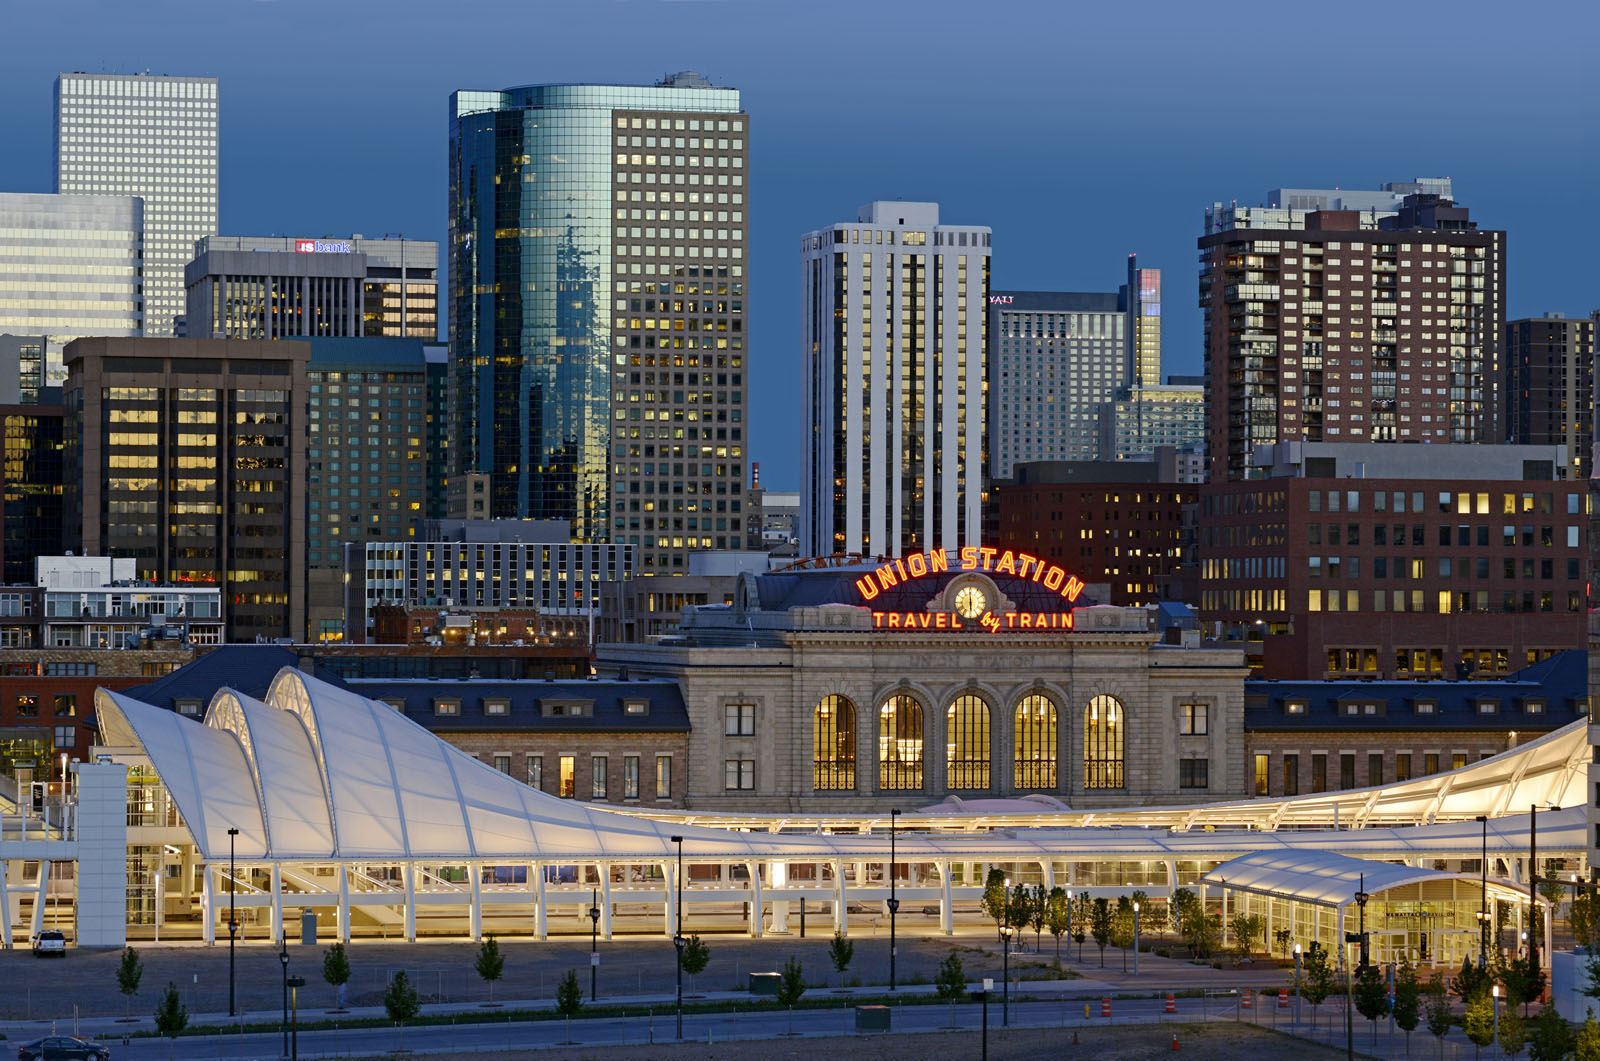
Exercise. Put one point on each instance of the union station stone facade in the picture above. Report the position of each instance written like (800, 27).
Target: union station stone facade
(808, 695)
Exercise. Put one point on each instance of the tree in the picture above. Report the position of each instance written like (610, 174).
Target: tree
(1283, 937)
(1407, 1000)
(1479, 1021)
(569, 998)
(1038, 902)
(1080, 924)
(1371, 997)
(1100, 926)
(1522, 979)
(129, 973)
(1201, 931)
(1471, 981)
(1246, 929)
(791, 985)
(336, 970)
(694, 955)
(1586, 1044)
(1055, 918)
(490, 963)
(995, 900)
(1019, 908)
(1316, 980)
(1184, 906)
(1122, 928)
(1549, 1039)
(1439, 1019)
(1513, 1032)
(950, 982)
(841, 952)
(400, 1001)
(171, 1015)
(1583, 915)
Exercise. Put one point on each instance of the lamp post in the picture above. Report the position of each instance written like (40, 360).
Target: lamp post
(1005, 962)
(1069, 928)
(1533, 880)
(677, 935)
(283, 958)
(1483, 895)
(1361, 905)
(233, 922)
(1494, 989)
(594, 936)
(1297, 983)
(894, 902)
(1135, 939)
(295, 984)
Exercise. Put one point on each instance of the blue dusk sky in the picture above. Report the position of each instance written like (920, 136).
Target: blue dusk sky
(1079, 132)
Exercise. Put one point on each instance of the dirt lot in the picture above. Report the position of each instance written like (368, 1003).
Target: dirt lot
(1215, 1042)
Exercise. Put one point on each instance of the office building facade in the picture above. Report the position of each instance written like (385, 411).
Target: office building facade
(376, 454)
(1054, 359)
(32, 484)
(1350, 325)
(895, 345)
(598, 241)
(1141, 301)
(70, 265)
(1139, 419)
(282, 287)
(189, 455)
(1396, 561)
(1549, 391)
(152, 137)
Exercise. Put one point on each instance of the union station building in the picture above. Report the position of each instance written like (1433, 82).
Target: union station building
(977, 673)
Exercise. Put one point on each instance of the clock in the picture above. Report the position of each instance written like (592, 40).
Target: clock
(970, 602)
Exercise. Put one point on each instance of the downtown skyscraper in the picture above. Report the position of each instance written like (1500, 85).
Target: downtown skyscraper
(154, 138)
(895, 324)
(598, 237)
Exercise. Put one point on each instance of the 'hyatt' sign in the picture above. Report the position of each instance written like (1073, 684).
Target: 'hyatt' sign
(317, 246)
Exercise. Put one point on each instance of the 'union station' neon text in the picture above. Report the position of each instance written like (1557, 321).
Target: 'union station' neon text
(972, 558)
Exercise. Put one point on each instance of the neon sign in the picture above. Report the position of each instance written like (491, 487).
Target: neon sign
(972, 558)
(1000, 300)
(317, 246)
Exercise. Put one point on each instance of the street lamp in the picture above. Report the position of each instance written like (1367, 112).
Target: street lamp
(1135, 939)
(894, 902)
(1005, 961)
(1494, 989)
(1297, 983)
(283, 958)
(233, 921)
(1483, 894)
(594, 935)
(1069, 927)
(1533, 880)
(295, 984)
(677, 935)
(1361, 905)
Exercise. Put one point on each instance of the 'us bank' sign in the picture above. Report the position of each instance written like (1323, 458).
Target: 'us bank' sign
(319, 246)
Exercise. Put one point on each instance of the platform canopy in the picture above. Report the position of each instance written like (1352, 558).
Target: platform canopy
(1326, 878)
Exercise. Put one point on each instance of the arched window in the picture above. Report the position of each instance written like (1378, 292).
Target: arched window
(1103, 724)
(900, 743)
(1035, 743)
(833, 748)
(967, 743)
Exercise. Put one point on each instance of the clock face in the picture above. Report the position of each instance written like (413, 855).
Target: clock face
(970, 602)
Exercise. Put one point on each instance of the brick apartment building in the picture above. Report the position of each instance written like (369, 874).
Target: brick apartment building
(1403, 561)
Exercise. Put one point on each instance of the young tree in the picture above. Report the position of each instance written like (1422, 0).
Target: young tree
(400, 1001)
(1202, 931)
(1080, 925)
(1549, 1038)
(490, 963)
(1407, 1000)
(129, 973)
(1247, 928)
(995, 900)
(569, 998)
(950, 982)
(1513, 1032)
(841, 952)
(1583, 915)
(1439, 1018)
(1122, 928)
(171, 1015)
(1019, 909)
(1316, 979)
(1055, 918)
(1586, 1043)
(336, 971)
(1478, 1021)
(1283, 937)
(1100, 926)
(1371, 997)
(1522, 979)
(1471, 981)
(695, 955)
(791, 985)
(1184, 906)
(1038, 905)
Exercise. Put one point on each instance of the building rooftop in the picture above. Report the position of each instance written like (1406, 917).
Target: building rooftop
(1056, 301)
(606, 704)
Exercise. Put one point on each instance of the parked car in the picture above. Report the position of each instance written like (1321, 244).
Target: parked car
(62, 1048)
(49, 942)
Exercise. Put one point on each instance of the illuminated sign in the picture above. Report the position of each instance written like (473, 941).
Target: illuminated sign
(318, 246)
(971, 558)
(999, 300)
(989, 621)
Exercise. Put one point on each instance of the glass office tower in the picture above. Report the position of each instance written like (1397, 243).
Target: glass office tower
(597, 251)
(153, 137)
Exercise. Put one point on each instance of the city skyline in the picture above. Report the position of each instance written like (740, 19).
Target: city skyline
(387, 172)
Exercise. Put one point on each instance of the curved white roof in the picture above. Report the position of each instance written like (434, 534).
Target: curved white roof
(1327, 878)
(319, 773)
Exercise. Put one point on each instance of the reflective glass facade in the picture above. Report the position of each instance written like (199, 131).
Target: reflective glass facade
(572, 209)
(154, 137)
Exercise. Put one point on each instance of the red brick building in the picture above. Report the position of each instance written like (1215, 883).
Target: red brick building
(1108, 522)
(1342, 564)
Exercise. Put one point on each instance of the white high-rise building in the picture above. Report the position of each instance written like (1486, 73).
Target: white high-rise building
(895, 345)
(151, 137)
